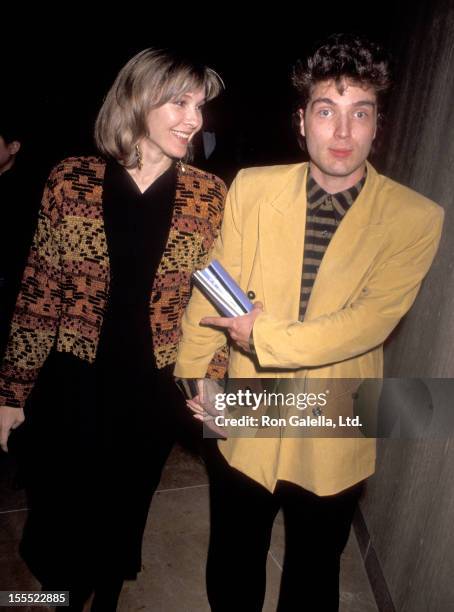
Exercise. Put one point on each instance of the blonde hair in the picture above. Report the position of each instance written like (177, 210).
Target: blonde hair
(149, 80)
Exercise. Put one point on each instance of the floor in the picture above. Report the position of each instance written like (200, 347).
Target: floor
(175, 545)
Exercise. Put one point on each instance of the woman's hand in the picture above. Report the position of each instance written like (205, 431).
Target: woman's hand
(203, 404)
(10, 418)
(198, 404)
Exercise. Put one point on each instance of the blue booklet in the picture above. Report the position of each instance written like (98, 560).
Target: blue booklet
(220, 288)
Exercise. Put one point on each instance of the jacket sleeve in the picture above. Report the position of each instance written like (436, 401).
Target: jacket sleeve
(37, 312)
(363, 324)
(198, 344)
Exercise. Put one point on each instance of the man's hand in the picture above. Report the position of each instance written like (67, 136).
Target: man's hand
(10, 418)
(239, 328)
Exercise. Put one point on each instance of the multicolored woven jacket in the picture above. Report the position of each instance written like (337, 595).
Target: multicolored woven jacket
(66, 281)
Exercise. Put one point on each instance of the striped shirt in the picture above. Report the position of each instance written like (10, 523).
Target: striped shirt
(325, 212)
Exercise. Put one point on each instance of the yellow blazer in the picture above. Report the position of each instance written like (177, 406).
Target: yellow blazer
(368, 279)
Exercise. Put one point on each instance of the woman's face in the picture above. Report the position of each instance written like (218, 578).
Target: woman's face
(172, 126)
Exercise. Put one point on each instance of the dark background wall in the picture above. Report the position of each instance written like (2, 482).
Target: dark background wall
(409, 503)
(420, 153)
(59, 69)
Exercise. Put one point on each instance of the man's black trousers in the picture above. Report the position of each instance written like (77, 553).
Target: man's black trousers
(242, 516)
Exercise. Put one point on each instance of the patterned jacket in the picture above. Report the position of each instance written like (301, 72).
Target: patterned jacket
(66, 280)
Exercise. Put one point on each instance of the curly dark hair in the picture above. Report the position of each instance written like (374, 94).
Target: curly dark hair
(341, 57)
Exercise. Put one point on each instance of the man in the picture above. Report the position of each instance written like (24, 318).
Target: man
(335, 253)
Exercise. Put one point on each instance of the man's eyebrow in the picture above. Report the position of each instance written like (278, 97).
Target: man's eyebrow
(365, 103)
(332, 103)
(323, 101)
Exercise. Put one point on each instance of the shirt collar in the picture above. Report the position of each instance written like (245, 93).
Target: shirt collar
(341, 201)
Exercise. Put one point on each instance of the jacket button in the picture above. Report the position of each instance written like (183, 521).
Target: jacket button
(251, 295)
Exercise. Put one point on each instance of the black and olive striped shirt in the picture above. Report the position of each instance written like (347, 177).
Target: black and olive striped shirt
(324, 214)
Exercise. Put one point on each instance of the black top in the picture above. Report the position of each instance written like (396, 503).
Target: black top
(137, 227)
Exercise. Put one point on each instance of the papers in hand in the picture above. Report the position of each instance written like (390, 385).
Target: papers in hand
(220, 288)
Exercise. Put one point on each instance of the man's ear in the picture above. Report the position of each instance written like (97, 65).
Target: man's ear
(14, 147)
(377, 119)
(301, 121)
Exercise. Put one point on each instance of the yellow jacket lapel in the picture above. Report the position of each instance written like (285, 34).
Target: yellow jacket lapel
(350, 253)
(281, 240)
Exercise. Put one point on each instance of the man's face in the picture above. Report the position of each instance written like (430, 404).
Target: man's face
(7, 152)
(339, 130)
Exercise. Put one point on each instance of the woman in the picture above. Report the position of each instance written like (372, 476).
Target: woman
(98, 319)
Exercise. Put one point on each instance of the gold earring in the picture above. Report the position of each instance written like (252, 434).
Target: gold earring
(139, 157)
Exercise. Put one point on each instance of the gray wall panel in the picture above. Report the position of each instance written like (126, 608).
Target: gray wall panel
(409, 504)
